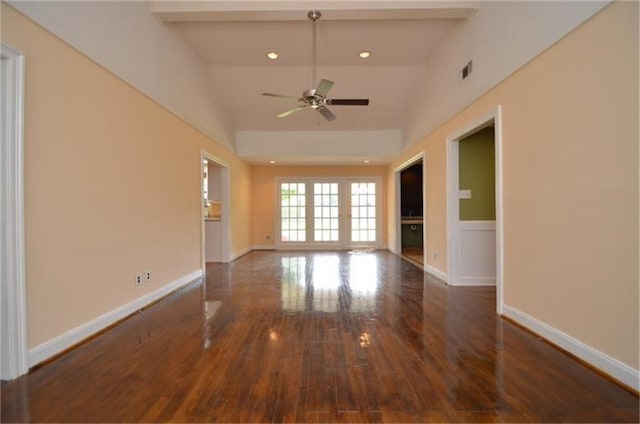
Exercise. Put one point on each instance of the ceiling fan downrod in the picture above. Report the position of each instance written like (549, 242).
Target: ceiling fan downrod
(314, 15)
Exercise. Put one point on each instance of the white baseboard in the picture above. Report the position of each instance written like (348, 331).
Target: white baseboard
(608, 365)
(264, 247)
(440, 275)
(242, 252)
(477, 281)
(64, 341)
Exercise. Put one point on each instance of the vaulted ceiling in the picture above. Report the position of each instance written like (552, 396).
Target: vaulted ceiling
(234, 47)
(234, 44)
(206, 62)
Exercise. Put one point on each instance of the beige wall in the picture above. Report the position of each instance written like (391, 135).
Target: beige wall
(570, 152)
(263, 192)
(112, 187)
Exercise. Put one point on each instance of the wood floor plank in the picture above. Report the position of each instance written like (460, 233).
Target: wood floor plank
(317, 337)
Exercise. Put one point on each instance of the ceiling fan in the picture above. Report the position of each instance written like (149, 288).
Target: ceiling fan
(316, 98)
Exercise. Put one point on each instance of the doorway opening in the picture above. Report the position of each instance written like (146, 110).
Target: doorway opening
(215, 210)
(410, 239)
(474, 205)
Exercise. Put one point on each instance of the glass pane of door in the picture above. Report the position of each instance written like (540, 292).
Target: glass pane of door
(363, 212)
(326, 212)
(293, 226)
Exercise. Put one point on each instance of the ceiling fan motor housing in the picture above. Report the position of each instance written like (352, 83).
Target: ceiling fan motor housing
(314, 15)
(312, 99)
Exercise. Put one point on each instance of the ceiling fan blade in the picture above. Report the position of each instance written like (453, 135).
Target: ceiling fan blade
(329, 116)
(291, 111)
(348, 102)
(323, 87)
(279, 95)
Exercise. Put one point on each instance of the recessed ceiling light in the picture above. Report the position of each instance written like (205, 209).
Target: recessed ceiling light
(367, 161)
(365, 54)
(272, 55)
(272, 162)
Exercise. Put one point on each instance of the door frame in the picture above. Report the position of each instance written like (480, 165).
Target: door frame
(344, 215)
(379, 212)
(225, 209)
(453, 206)
(14, 346)
(397, 246)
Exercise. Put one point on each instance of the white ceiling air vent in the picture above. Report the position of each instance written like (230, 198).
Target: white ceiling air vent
(466, 71)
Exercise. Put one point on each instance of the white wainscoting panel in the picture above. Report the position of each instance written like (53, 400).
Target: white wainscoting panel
(478, 253)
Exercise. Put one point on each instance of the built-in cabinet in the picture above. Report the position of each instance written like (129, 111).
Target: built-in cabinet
(412, 235)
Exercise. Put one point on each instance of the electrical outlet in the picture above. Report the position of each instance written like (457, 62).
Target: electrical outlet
(138, 280)
(435, 256)
(147, 276)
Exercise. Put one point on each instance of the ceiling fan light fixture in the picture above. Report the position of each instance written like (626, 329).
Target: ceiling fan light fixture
(364, 54)
(272, 55)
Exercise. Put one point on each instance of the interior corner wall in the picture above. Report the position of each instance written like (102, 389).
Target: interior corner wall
(144, 52)
(570, 184)
(112, 187)
(500, 37)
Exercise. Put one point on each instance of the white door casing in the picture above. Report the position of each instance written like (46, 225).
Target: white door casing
(225, 218)
(13, 319)
(454, 227)
(396, 247)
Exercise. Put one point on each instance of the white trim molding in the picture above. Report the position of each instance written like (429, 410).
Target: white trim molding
(603, 362)
(454, 252)
(420, 157)
(13, 298)
(76, 335)
(264, 247)
(225, 213)
(239, 253)
(440, 275)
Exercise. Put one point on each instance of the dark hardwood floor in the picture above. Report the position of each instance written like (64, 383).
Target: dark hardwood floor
(317, 337)
(415, 254)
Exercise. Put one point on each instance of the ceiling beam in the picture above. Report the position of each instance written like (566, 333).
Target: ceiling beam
(241, 11)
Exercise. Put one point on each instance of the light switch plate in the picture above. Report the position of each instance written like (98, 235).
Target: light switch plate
(464, 194)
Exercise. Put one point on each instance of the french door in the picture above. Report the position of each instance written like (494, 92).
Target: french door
(328, 213)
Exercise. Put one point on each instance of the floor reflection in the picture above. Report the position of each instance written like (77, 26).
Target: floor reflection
(210, 308)
(318, 285)
(363, 281)
(317, 337)
(294, 284)
(325, 282)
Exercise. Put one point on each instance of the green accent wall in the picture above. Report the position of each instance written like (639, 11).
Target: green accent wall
(477, 173)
